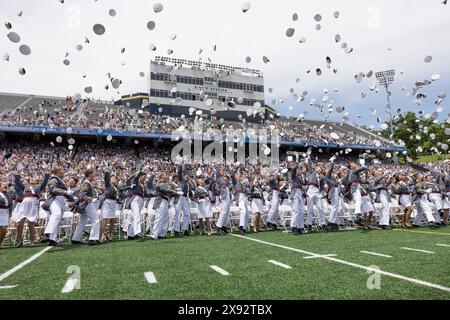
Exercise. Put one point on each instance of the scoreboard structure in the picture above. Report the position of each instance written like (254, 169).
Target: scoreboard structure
(191, 88)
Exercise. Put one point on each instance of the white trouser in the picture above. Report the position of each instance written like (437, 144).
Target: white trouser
(150, 214)
(91, 214)
(335, 206)
(56, 214)
(298, 210)
(136, 206)
(423, 207)
(315, 199)
(168, 218)
(384, 213)
(243, 216)
(182, 209)
(161, 220)
(357, 198)
(436, 198)
(224, 215)
(274, 206)
(446, 201)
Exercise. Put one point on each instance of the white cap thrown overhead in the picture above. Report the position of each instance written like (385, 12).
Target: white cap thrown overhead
(246, 6)
(99, 29)
(158, 7)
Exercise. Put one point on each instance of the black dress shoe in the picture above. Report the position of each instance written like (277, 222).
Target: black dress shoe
(45, 240)
(225, 230)
(269, 225)
(75, 242)
(300, 231)
(187, 233)
(93, 243)
(294, 230)
(177, 234)
(309, 228)
(52, 243)
(131, 238)
(434, 225)
(241, 230)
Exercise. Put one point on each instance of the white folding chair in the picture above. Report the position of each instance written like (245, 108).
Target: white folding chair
(285, 212)
(235, 216)
(67, 221)
(194, 218)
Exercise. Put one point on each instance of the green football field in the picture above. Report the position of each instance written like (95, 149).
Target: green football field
(267, 265)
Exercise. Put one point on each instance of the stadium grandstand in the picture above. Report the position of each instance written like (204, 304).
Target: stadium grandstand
(32, 114)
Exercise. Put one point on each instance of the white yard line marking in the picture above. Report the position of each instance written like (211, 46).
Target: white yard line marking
(443, 245)
(320, 256)
(358, 266)
(8, 287)
(23, 264)
(377, 254)
(285, 266)
(150, 277)
(417, 250)
(220, 270)
(70, 285)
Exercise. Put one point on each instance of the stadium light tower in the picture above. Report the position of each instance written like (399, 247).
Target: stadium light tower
(386, 78)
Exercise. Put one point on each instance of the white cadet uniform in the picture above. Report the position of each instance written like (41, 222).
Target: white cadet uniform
(334, 196)
(109, 205)
(274, 207)
(57, 188)
(385, 208)
(183, 208)
(90, 213)
(436, 198)
(225, 200)
(298, 209)
(137, 203)
(423, 207)
(29, 207)
(314, 196)
(159, 229)
(4, 210)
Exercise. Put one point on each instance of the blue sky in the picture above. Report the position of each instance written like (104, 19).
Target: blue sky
(411, 29)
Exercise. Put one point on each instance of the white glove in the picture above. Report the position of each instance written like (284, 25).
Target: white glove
(94, 200)
(70, 193)
(75, 199)
(428, 191)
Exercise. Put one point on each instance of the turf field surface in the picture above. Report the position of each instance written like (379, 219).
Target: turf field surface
(268, 265)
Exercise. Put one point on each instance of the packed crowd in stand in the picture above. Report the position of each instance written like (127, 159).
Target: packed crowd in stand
(121, 118)
(153, 196)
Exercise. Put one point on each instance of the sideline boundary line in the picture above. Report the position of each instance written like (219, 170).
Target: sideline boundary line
(23, 264)
(351, 264)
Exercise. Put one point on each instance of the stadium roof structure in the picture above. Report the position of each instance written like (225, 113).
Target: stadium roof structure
(206, 65)
(92, 109)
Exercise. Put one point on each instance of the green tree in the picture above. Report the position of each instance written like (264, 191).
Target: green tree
(420, 135)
